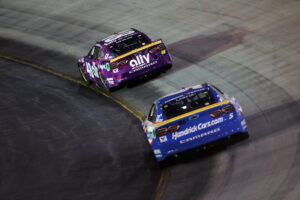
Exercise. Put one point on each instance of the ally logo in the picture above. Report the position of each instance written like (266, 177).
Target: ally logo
(140, 60)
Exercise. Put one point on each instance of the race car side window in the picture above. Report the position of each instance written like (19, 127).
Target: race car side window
(101, 53)
(98, 53)
(152, 114)
(91, 53)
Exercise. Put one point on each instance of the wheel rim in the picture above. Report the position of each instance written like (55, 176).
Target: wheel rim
(83, 75)
(103, 81)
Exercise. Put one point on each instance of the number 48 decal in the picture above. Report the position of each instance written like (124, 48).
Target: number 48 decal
(92, 70)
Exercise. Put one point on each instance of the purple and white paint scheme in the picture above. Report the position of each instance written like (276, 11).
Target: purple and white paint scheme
(124, 56)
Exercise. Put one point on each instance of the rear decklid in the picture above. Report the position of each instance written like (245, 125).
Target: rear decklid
(141, 60)
(194, 128)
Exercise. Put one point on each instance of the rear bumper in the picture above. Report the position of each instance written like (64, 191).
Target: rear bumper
(146, 73)
(224, 139)
(175, 145)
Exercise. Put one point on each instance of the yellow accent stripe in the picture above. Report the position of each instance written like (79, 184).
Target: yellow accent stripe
(136, 50)
(191, 113)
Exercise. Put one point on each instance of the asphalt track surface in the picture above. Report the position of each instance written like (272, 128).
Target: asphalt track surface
(250, 49)
(61, 140)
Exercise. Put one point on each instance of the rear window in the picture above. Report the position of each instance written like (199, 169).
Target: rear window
(187, 103)
(124, 46)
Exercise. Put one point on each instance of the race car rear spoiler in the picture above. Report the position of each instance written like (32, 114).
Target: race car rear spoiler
(191, 113)
(136, 50)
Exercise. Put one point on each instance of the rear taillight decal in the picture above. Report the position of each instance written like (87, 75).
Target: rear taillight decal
(114, 65)
(123, 62)
(173, 128)
(161, 131)
(165, 130)
(216, 113)
(157, 48)
(226, 109)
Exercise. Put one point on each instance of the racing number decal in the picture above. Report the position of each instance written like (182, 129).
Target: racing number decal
(92, 70)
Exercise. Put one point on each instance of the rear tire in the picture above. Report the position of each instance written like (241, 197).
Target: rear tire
(164, 164)
(104, 83)
(83, 75)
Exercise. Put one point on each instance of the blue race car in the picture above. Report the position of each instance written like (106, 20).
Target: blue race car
(190, 118)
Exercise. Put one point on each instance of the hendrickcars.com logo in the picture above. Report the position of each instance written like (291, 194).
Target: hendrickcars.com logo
(195, 128)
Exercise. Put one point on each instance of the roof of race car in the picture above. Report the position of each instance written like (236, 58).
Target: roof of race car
(189, 90)
(119, 36)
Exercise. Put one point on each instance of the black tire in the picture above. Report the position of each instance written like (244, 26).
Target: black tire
(164, 164)
(84, 77)
(104, 83)
(241, 136)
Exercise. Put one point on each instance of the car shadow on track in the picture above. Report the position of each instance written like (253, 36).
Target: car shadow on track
(204, 151)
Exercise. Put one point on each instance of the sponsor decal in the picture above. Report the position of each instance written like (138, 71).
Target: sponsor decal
(101, 67)
(153, 133)
(107, 67)
(110, 80)
(142, 67)
(172, 151)
(117, 36)
(199, 136)
(195, 128)
(81, 59)
(115, 70)
(159, 118)
(140, 60)
(244, 125)
(185, 95)
(163, 139)
(150, 138)
(157, 151)
(243, 122)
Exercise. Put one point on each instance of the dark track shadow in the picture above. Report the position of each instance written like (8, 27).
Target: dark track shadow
(199, 48)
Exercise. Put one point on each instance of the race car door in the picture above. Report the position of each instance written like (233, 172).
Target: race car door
(92, 61)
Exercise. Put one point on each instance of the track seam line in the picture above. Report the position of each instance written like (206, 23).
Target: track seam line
(166, 172)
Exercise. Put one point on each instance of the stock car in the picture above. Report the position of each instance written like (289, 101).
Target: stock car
(190, 118)
(122, 57)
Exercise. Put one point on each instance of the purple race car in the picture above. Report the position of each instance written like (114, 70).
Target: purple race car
(122, 57)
